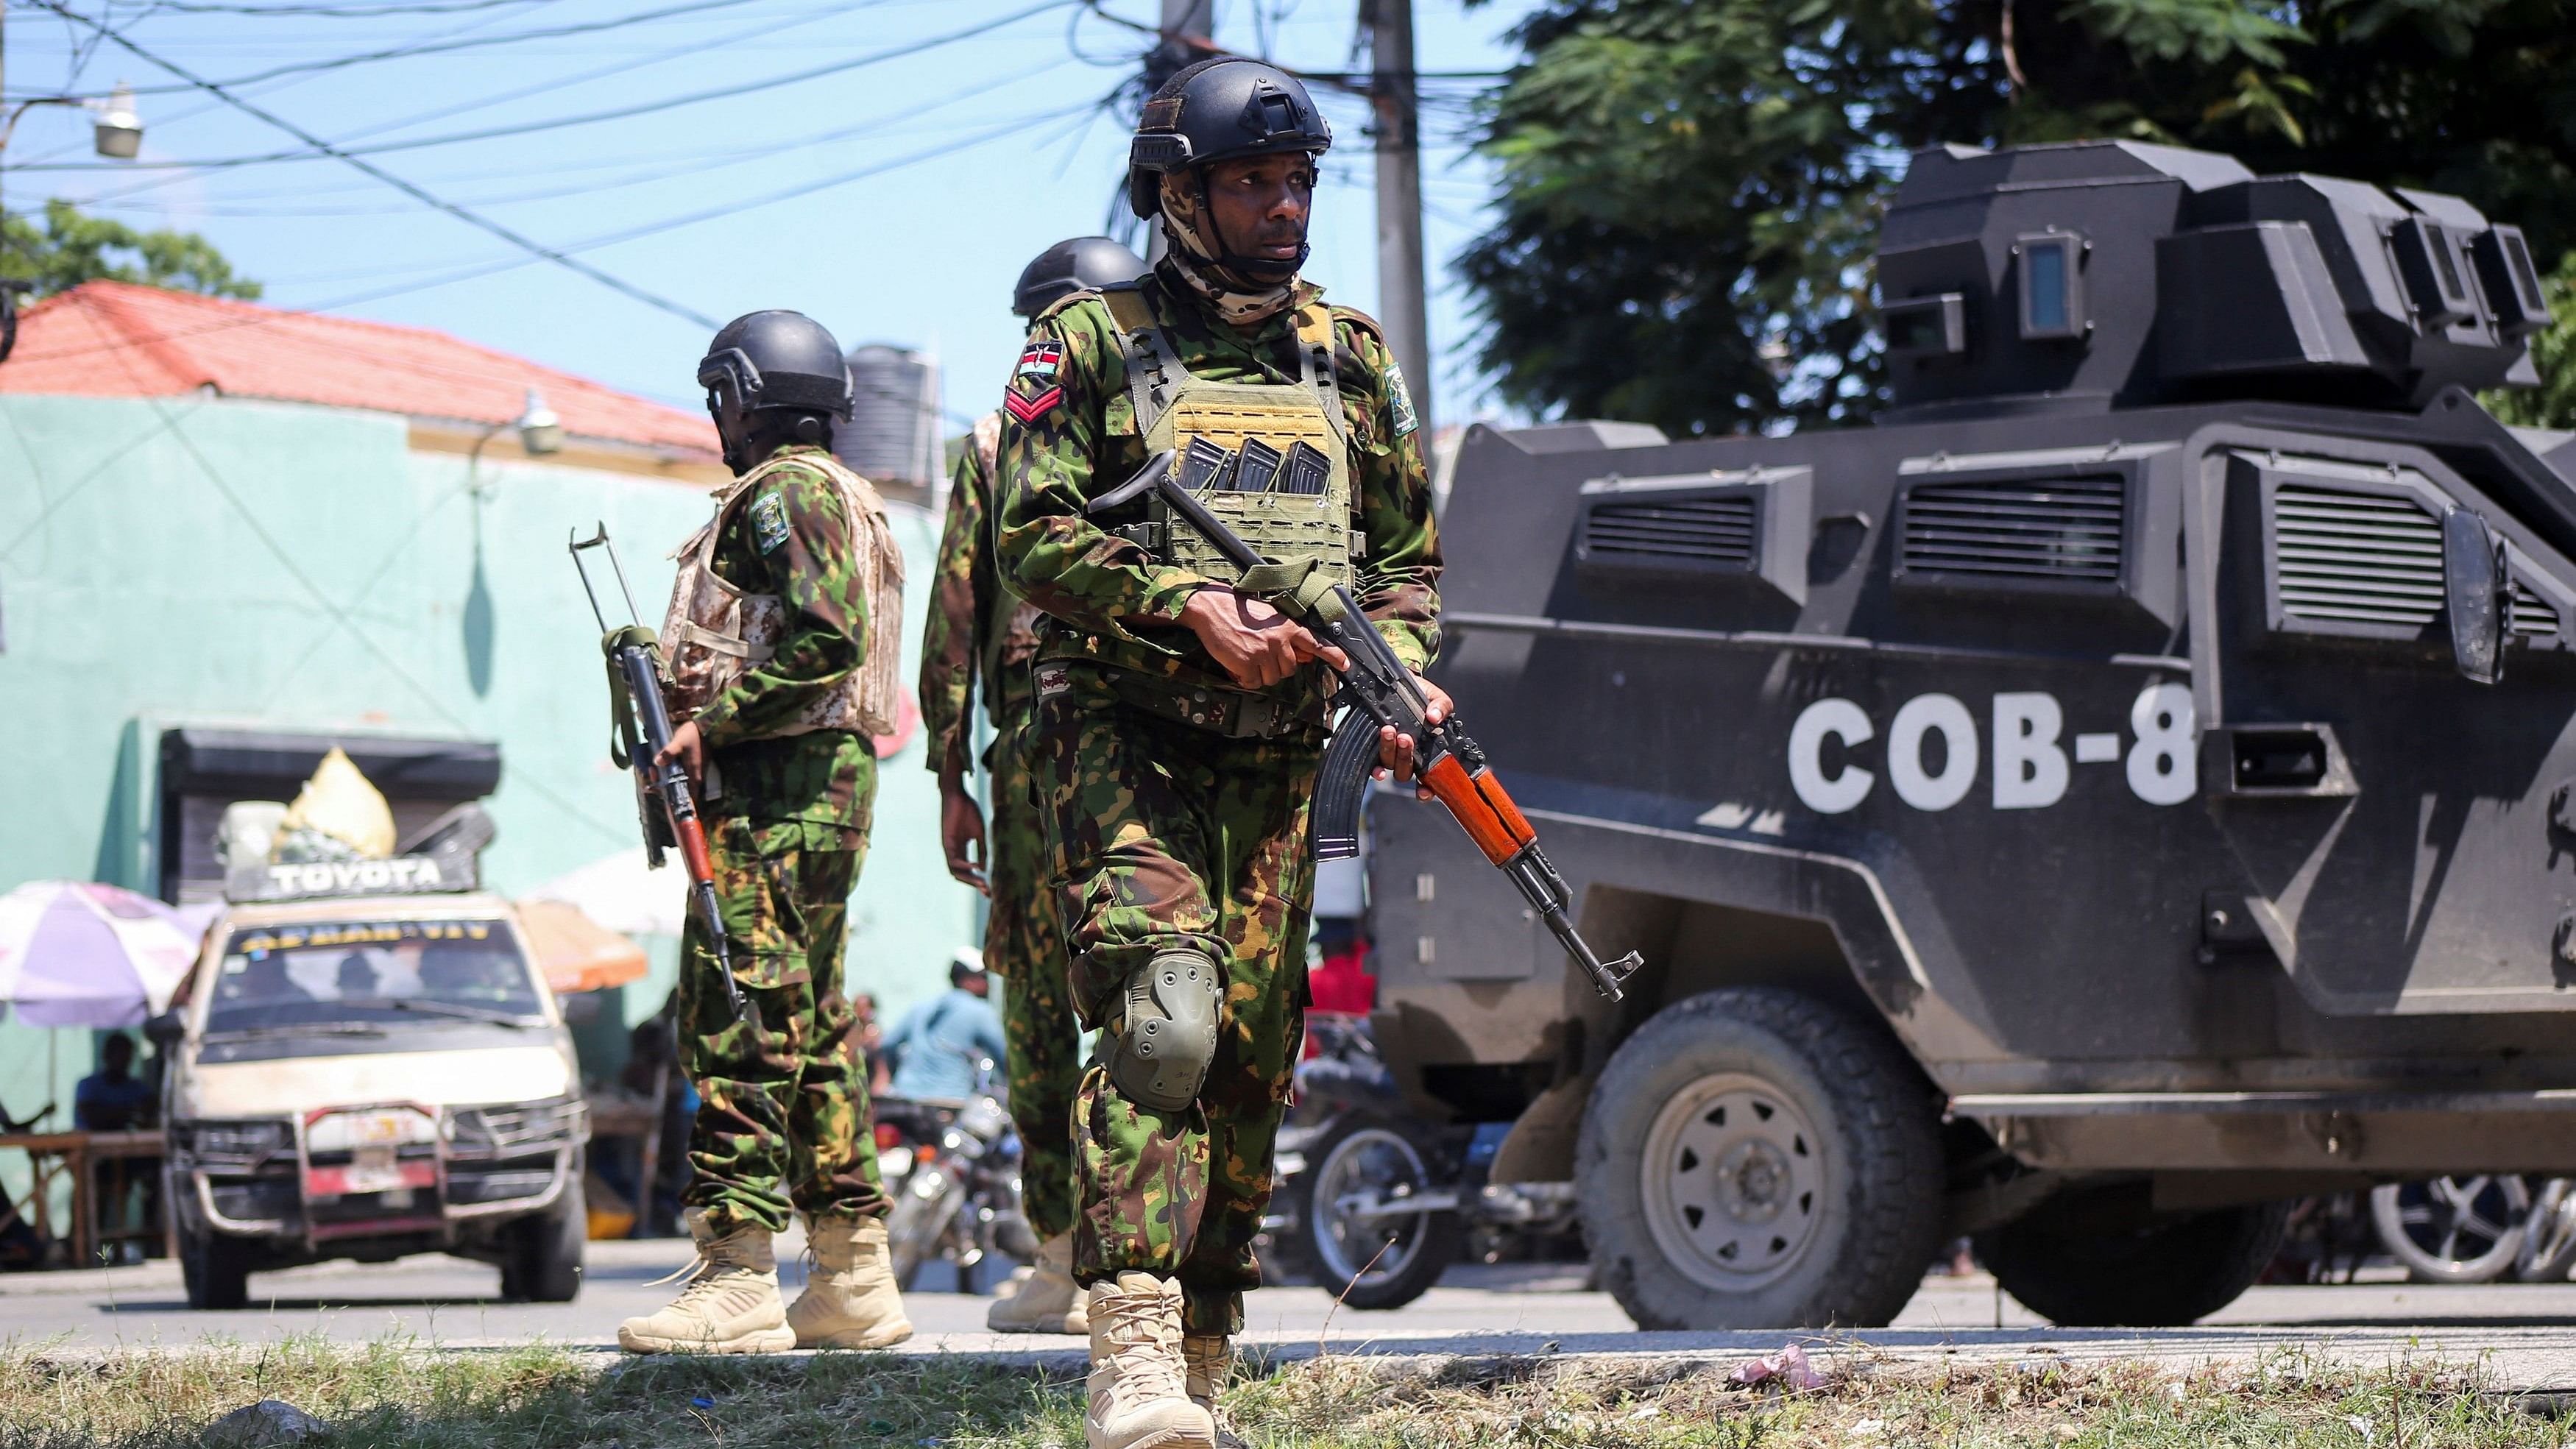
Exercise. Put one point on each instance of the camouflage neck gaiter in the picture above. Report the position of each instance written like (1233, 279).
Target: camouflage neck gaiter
(1190, 234)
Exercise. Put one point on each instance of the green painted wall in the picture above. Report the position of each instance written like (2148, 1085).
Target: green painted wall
(213, 562)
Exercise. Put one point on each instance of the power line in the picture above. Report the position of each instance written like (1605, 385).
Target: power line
(340, 12)
(664, 167)
(445, 45)
(534, 248)
(485, 269)
(553, 84)
(319, 148)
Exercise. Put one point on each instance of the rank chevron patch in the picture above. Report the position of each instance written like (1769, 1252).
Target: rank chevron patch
(1030, 409)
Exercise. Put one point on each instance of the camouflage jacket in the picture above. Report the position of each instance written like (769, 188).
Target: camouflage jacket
(975, 626)
(1106, 598)
(793, 540)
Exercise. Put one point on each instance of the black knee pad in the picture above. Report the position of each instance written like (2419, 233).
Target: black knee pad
(1166, 1030)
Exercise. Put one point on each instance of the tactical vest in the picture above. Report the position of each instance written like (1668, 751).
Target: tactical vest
(1174, 407)
(715, 631)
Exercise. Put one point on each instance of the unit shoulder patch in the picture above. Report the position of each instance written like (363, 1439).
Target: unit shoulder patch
(769, 522)
(1400, 402)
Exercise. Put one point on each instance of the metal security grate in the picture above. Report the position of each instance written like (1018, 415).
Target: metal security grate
(2062, 529)
(2533, 618)
(1707, 531)
(2359, 557)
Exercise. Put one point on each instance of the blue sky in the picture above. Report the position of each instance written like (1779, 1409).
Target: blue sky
(983, 149)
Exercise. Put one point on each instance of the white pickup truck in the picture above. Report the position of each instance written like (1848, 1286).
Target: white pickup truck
(363, 1075)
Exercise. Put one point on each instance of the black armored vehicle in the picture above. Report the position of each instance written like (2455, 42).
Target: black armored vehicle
(2128, 786)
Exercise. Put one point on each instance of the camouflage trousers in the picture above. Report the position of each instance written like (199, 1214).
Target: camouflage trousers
(783, 1119)
(1024, 946)
(1167, 837)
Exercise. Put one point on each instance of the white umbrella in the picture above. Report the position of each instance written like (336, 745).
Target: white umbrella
(76, 953)
(620, 892)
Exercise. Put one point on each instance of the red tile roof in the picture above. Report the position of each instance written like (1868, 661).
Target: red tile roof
(116, 339)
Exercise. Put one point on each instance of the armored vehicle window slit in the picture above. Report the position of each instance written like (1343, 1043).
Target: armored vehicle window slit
(1730, 531)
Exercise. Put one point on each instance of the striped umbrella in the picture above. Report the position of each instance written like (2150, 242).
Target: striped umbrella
(76, 953)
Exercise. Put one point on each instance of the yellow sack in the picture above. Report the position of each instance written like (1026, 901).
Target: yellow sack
(339, 803)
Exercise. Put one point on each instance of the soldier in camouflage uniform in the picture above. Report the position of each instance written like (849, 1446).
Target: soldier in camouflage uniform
(1180, 722)
(773, 666)
(977, 628)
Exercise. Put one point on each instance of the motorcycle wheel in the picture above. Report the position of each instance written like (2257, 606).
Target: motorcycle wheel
(917, 1224)
(1382, 1260)
(2453, 1229)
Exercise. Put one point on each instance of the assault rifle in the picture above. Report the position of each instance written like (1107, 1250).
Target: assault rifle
(640, 726)
(1377, 690)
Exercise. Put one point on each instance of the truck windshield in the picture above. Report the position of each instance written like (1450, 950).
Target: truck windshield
(375, 972)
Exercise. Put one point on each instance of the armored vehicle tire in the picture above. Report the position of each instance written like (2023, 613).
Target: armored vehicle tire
(1376, 1262)
(215, 1272)
(2093, 1259)
(544, 1263)
(1753, 1158)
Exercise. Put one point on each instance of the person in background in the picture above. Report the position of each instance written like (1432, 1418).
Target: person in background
(113, 1098)
(871, 1041)
(116, 1098)
(934, 1049)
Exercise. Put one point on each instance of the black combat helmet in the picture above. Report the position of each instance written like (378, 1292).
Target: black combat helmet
(1083, 264)
(780, 362)
(776, 359)
(1217, 110)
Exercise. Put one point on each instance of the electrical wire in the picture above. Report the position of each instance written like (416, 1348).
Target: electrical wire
(615, 284)
(555, 84)
(442, 46)
(340, 12)
(318, 148)
(667, 167)
(478, 270)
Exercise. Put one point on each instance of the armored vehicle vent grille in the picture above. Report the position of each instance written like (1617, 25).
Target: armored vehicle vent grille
(2362, 557)
(2532, 616)
(1701, 530)
(2066, 529)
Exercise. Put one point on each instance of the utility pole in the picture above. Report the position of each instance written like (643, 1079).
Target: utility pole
(1394, 94)
(1188, 26)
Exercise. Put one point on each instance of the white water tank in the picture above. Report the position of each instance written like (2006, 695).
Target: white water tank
(892, 436)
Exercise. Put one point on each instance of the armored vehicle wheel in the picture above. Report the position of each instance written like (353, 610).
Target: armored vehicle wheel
(1753, 1158)
(1352, 1236)
(2096, 1259)
(2453, 1229)
(215, 1272)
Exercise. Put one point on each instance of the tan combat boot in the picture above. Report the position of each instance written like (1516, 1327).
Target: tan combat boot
(1137, 1396)
(1049, 1301)
(1208, 1359)
(849, 1299)
(730, 1306)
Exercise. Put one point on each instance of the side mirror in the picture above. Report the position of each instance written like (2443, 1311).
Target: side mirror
(2473, 585)
(166, 1030)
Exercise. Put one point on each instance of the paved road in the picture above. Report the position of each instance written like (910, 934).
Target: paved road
(2526, 1335)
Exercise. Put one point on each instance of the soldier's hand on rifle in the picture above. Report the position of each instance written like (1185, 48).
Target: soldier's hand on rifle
(1395, 749)
(961, 835)
(1255, 644)
(689, 749)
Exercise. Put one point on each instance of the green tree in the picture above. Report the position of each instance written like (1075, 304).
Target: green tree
(70, 247)
(2553, 403)
(1690, 188)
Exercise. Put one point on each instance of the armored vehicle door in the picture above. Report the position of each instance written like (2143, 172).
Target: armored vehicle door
(2400, 830)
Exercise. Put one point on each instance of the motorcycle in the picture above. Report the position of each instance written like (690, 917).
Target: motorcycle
(2479, 1229)
(952, 1178)
(1374, 1204)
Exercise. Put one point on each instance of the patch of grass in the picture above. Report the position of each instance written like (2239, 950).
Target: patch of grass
(400, 1395)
